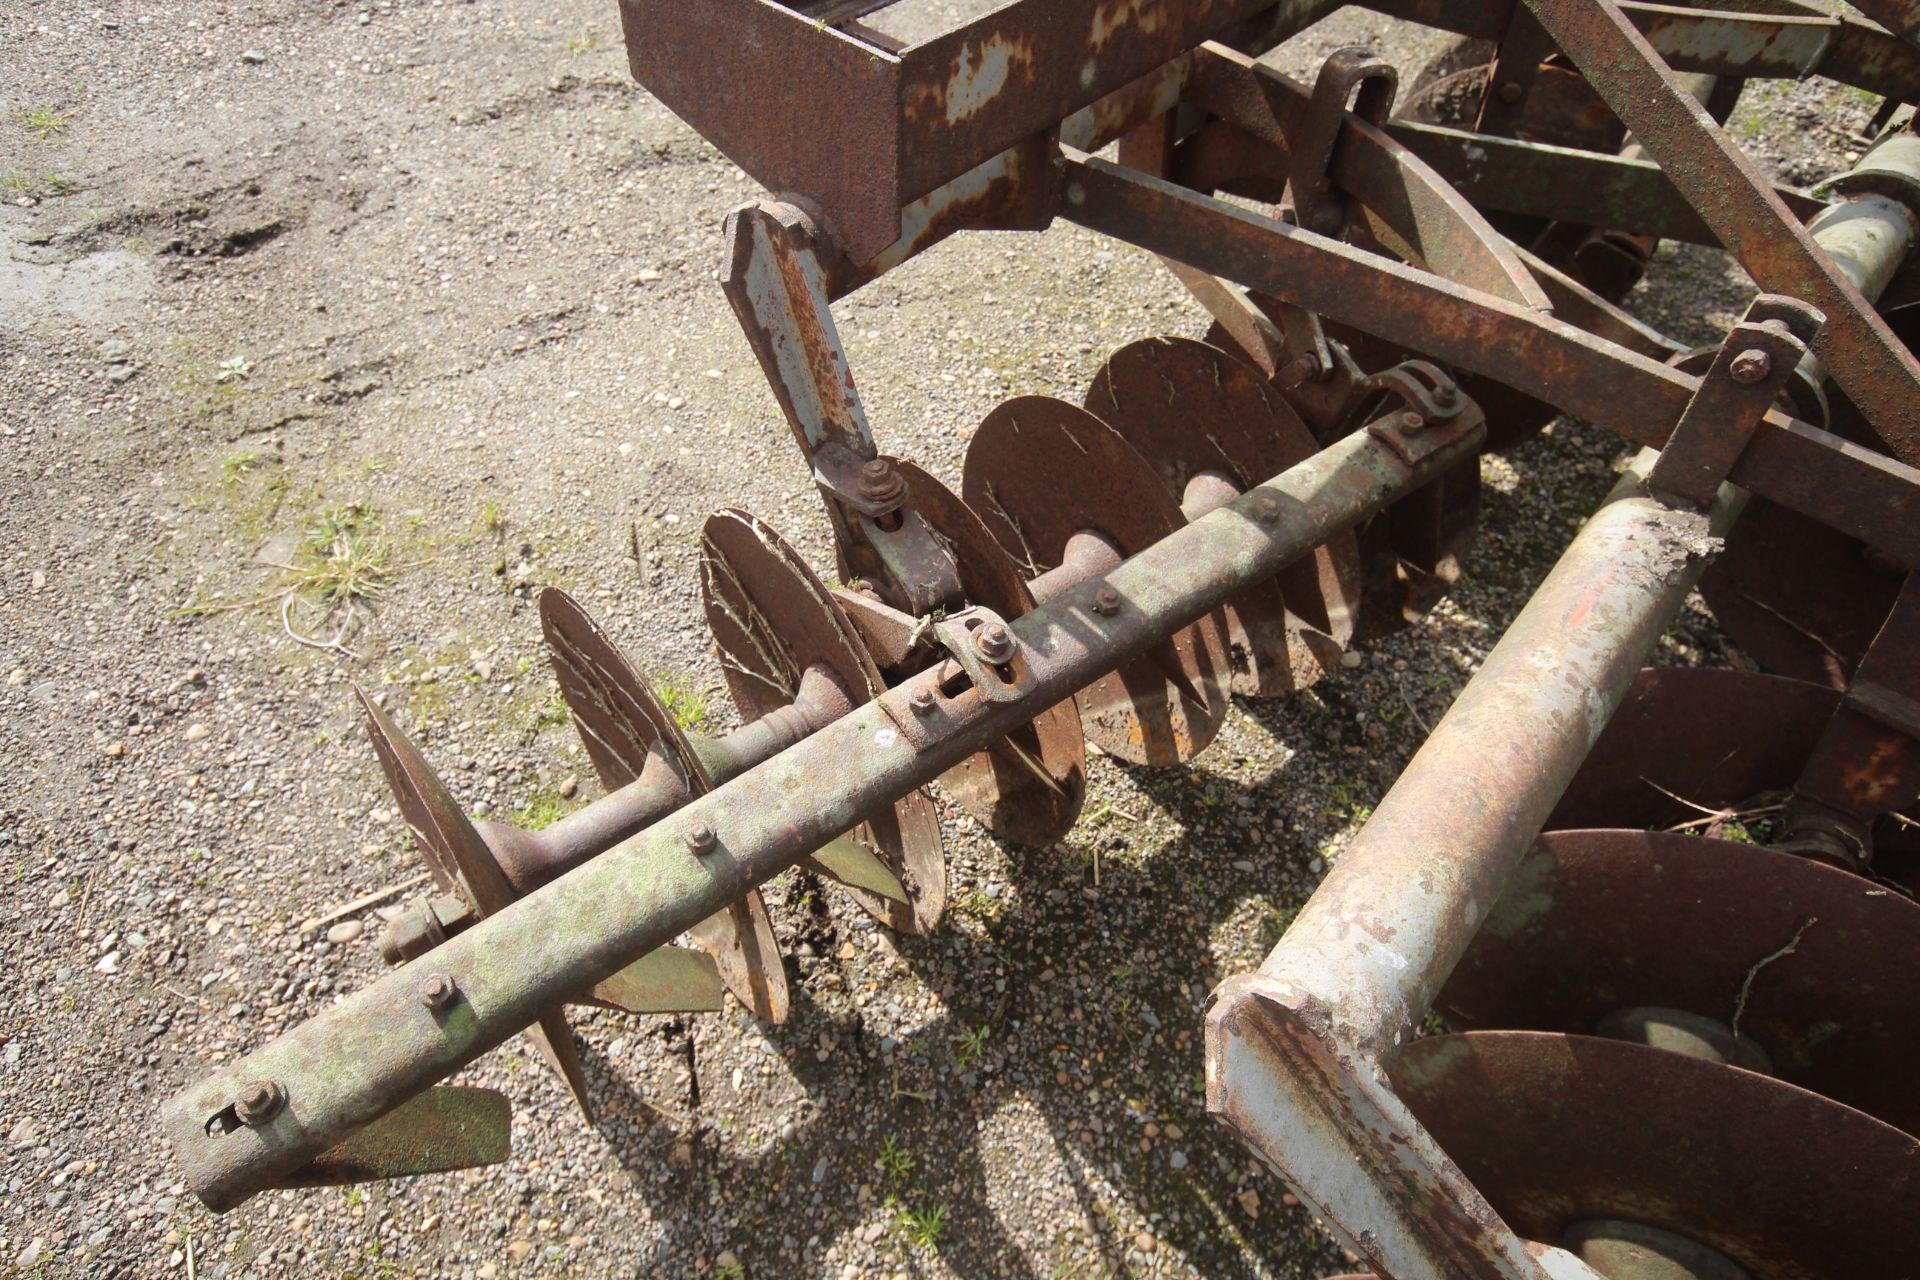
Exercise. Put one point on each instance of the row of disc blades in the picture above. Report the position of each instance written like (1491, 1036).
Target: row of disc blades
(1171, 428)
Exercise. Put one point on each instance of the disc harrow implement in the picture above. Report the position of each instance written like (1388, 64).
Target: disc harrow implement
(1614, 981)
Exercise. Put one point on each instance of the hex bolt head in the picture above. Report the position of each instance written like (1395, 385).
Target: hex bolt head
(880, 481)
(1750, 366)
(1446, 395)
(1266, 508)
(1106, 602)
(700, 838)
(1305, 367)
(437, 991)
(259, 1101)
(994, 643)
(1511, 92)
(921, 701)
(1411, 422)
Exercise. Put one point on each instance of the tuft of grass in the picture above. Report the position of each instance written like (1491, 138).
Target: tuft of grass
(895, 1160)
(44, 123)
(586, 42)
(233, 369)
(731, 1269)
(923, 1223)
(542, 809)
(972, 1044)
(685, 703)
(16, 184)
(348, 563)
(235, 465)
(492, 519)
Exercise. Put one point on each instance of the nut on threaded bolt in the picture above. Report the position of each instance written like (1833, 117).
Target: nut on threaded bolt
(1750, 366)
(1266, 508)
(700, 838)
(994, 643)
(1411, 422)
(437, 991)
(921, 701)
(259, 1101)
(1106, 602)
(1305, 367)
(880, 481)
(1511, 92)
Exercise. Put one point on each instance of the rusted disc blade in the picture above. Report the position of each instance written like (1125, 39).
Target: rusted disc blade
(1039, 471)
(453, 850)
(1029, 786)
(1202, 417)
(619, 719)
(772, 619)
(1558, 1129)
(1687, 739)
(622, 723)
(461, 861)
(1800, 598)
(1600, 921)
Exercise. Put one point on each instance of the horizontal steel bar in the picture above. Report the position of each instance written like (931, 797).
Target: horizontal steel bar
(1586, 187)
(1295, 1053)
(366, 1055)
(1855, 490)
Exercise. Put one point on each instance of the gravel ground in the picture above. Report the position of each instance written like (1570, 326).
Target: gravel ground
(432, 283)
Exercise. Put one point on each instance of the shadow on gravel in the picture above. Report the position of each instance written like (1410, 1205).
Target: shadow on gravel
(1080, 1006)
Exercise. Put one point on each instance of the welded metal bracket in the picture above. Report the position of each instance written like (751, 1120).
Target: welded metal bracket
(1751, 369)
(987, 650)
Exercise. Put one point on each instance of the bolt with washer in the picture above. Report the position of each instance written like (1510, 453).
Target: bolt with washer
(880, 481)
(437, 991)
(921, 700)
(700, 838)
(1106, 602)
(259, 1101)
(1750, 366)
(994, 643)
(1411, 422)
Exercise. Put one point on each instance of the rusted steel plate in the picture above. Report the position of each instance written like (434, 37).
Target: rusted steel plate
(771, 619)
(1191, 409)
(1858, 350)
(862, 129)
(1902, 17)
(625, 728)
(1858, 490)
(1802, 599)
(1595, 922)
(444, 1129)
(1040, 471)
(1029, 786)
(1558, 1129)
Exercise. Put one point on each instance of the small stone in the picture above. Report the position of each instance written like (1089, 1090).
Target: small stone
(119, 373)
(115, 350)
(847, 951)
(31, 1255)
(429, 1222)
(483, 668)
(1351, 659)
(39, 580)
(346, 931)
(23, 1134)
(681, 1156)
(488, 1271)
(364, 18)
(197, 731)
(519, 1250)
(647, 275)
(677, 402)
(727, 1262)
(820, 1170)
(1178, 1160)
(1145, 1242)
(116, 749)
(17, 677)
(569, 785)
(254, 56)
(1250, 1202)
(109, 963)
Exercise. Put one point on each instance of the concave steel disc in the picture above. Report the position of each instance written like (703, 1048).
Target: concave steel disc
(1029, 786)
(772, 618)
(624, 726)
(461, 862)
(1557, 1129)
(1189, 409)
(1801, 599)
(1596, 922)
(1039, 471)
